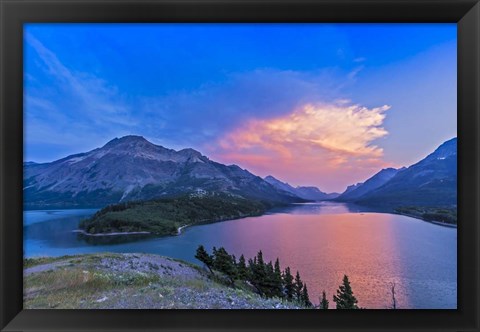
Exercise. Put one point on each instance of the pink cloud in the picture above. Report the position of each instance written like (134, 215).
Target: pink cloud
(327, 145)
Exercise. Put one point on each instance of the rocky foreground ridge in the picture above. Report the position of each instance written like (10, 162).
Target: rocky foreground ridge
(132, 281)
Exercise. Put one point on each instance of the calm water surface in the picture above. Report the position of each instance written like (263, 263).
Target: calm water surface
(323, 241)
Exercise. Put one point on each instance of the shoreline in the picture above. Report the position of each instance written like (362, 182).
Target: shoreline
(179, 229)
(440, 223)
(110, 234)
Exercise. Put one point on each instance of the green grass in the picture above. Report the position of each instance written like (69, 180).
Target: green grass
(80, 283)
(70, 286)
(31, 262)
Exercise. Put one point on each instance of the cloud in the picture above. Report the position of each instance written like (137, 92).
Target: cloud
(203, 114)
(176, 118)
(354, 73)
(98, 99)
(330, 145)
(71, 105)
(66, 103)
(246, 118)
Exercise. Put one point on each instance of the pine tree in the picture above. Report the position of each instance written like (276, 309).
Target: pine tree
(242, 269)
(261, 273)
(345, 298)
(305, 298)
(258, 276)
(203, 256)
(260, 259)
(323, 301)
(278, 279)
(269, 284)
(225, 263)
(288, 284)
(250, 267)
(298, 287)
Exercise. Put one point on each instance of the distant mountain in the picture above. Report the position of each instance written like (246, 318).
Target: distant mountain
(430, 182)
(352, 188)
(309, 193)
(132, 168)
(279, 184)
(355, 191)
(314, 193)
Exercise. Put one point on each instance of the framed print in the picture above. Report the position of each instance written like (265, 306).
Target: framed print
(240, 165)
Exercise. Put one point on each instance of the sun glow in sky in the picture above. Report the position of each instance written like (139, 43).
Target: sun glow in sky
(314, 141)
(311, 104)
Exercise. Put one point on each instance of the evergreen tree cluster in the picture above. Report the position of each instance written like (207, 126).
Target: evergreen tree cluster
(344, 298)
(267, 278)
(270, 281)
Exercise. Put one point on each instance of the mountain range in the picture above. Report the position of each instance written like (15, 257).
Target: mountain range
(430, 182)
(132, 168)
(308, 193)
(355, 191)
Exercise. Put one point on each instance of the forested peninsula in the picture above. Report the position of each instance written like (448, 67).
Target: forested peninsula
(164, 217)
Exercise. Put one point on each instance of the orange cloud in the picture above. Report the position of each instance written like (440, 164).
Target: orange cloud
(329, 145)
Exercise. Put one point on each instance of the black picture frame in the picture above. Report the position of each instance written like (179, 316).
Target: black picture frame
(14, 13)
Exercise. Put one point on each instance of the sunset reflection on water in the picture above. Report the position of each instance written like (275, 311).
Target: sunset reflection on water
(375, 250)
(323, 241)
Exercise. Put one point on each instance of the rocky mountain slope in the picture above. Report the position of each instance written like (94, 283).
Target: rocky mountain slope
(132, 168)
(430, 182)
(379, 179)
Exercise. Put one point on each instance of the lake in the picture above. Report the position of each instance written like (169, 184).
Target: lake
(323, 241)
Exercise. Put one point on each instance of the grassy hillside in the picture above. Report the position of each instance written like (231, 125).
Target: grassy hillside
(132, 281)
(164, 216)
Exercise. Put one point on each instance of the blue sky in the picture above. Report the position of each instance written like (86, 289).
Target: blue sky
(373, 95)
